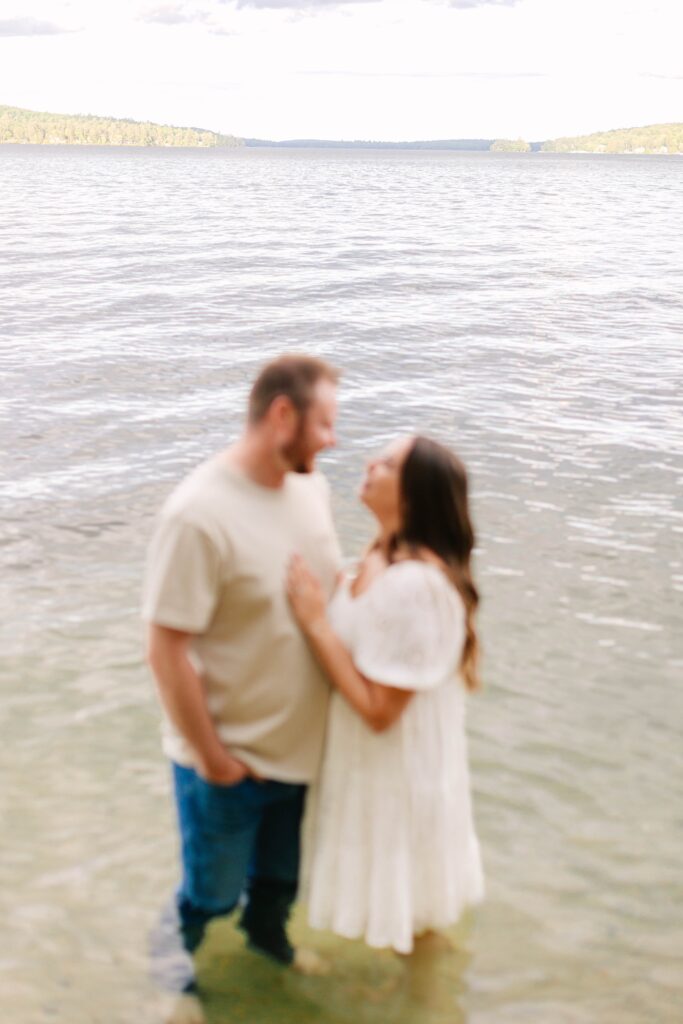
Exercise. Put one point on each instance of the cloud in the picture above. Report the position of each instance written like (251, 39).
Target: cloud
(426, 74)
(184, 14)
(299, 5)
(464, 4)
(181, 13)
(173, 14)
(30, 27)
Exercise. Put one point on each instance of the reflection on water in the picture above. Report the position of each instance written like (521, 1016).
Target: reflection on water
(362, 987)
(516, 307)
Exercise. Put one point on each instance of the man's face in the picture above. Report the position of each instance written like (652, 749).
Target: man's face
(315, 431)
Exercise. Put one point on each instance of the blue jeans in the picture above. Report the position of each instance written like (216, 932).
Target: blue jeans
(236, 841)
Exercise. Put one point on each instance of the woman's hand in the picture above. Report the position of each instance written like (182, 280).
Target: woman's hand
(305, 594)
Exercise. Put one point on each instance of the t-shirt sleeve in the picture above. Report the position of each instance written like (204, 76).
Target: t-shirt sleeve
(412, 632)
(182, 577)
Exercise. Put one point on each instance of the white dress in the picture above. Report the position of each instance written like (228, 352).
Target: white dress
(389, 843)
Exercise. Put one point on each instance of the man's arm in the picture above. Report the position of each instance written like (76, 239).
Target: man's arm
(182, 695)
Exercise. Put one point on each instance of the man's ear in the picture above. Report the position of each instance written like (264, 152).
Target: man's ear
(282, 415)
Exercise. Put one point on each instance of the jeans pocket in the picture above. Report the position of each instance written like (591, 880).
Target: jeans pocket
(226, 807)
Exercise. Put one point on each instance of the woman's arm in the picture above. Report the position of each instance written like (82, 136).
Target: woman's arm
(380, 706)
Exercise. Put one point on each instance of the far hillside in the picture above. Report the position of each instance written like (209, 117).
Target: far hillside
(654, 138)
(30, 126)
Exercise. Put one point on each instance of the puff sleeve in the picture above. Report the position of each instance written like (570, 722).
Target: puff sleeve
(412, 629)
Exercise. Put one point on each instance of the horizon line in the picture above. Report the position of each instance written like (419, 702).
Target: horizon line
(349, 141)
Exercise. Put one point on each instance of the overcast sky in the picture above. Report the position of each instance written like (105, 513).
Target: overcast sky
(352, 69)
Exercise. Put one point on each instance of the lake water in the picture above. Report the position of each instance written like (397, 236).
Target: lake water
(526, 309)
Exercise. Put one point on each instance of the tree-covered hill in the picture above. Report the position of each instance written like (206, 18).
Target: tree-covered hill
(510, 146)
(654, 138)
(29, 126)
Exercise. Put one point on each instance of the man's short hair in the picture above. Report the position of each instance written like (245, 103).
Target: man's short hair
(293, 376)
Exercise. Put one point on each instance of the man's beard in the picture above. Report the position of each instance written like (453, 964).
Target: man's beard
(296, 454)
(296, 460)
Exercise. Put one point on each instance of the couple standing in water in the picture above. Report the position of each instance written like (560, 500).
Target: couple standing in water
(279, 677)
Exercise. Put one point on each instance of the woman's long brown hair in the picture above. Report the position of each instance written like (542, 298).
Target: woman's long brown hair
(435, 515)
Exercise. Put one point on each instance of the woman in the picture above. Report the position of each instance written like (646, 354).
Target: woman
(390, 852)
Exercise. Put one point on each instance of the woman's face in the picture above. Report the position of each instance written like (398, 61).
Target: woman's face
(381, 487)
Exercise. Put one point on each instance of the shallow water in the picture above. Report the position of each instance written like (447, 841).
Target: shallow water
(527, 310)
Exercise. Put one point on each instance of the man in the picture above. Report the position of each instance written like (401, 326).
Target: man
(244, 700)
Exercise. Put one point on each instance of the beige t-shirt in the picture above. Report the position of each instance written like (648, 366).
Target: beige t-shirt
(216, 569)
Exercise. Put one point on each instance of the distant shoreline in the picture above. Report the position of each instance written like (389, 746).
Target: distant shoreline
(457, 145)
(281, 147)
(19, 126)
